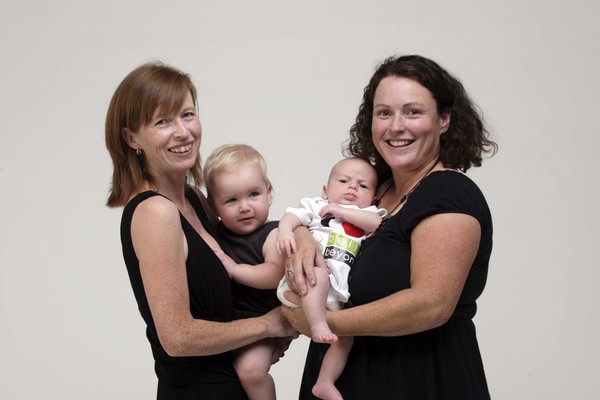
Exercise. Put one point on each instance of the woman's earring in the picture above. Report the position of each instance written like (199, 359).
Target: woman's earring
(138, 151)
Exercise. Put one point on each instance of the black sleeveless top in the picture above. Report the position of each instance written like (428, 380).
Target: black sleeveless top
(247, 249)
(210, 299)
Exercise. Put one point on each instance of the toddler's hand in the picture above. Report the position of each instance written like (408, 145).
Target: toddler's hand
(227, 261)
(286, 242)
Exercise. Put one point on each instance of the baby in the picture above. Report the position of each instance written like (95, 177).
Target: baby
(338, 220)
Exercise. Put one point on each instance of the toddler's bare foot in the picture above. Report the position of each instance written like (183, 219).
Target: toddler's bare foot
(326, 391)
(321, 333)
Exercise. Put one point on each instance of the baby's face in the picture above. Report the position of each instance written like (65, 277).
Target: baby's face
(352, 182)
(242, 199)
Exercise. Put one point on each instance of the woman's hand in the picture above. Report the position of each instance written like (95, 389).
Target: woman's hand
(277, 325)
(299, 267)
(282, 330)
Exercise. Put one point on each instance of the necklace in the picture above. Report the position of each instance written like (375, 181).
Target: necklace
(405, 196)
(368, 240)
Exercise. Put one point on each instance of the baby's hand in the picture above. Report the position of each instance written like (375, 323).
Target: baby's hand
(286, 242)
(333, 210)
(227, 261)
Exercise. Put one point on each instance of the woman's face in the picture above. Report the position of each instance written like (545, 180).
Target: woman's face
(171, 142)
(406, 126)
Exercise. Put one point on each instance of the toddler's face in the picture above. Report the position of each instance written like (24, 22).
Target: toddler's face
(242, 199)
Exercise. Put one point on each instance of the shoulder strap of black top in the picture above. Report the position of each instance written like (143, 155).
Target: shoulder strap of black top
(194, 200)
(141, 197)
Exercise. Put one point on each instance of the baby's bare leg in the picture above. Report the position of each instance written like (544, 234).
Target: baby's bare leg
(331, 369)
(252, 364)
(313, 304)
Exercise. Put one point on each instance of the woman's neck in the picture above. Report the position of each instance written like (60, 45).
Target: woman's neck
(172, 189)
(404, 182)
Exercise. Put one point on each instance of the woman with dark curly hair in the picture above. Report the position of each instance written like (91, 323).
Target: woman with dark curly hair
(417, 278)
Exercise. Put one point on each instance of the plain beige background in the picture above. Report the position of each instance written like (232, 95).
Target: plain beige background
(287, 77)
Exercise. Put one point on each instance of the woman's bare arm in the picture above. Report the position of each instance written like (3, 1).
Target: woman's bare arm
(160, 246)
(443, 249)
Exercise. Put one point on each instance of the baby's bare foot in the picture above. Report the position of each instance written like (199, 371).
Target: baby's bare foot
(322, 334)
(326, 391)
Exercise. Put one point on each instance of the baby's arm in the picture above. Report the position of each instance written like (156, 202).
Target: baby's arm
(286, 242)
(366, 220)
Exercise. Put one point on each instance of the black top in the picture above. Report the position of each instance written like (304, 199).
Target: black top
(210, 299)
(247, 249)
(441, 363)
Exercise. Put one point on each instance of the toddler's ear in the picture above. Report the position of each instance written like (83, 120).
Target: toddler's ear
(270, 193)
(324, 193)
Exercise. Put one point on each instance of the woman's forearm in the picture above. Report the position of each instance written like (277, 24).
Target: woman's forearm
(402, 313)
(198, 337)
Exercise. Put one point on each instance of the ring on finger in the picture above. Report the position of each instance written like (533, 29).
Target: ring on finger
(289, 272)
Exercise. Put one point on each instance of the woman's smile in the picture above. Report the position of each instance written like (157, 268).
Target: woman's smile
(400, 143)
(181, 149)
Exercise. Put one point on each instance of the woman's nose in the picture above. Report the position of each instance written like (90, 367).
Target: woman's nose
(397, 123)
(181, 129)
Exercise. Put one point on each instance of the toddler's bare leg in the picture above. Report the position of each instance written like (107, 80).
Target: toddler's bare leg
(252, 364)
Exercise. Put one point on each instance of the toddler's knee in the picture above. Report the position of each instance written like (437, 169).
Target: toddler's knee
(251, 376)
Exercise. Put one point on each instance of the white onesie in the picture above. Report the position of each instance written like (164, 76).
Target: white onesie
(340, 243)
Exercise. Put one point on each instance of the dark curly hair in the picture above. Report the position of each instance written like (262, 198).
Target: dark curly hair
(461, 147)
